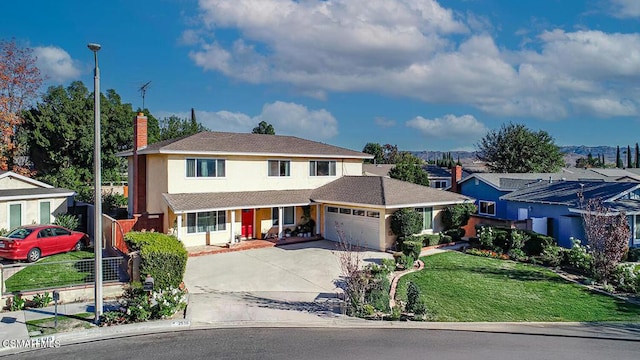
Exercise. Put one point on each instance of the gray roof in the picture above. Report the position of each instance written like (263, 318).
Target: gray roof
(222, 143)
(432, 170)
(514, 181)
(180, 203)
(566, 192)
(34, 193)
(384, 192)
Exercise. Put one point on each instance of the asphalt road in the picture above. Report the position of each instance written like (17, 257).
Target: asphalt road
(336, 343)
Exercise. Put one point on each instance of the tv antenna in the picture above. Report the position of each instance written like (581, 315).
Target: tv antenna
(143, 91)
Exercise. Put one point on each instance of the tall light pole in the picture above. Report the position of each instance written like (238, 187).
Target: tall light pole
(97, 226)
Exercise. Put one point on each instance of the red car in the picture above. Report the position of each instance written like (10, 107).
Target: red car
(34, 241)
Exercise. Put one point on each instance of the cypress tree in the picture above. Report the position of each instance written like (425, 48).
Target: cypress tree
(618, 159)
(629, 163)
(637, 164)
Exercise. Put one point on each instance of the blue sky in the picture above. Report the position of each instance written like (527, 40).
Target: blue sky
(422, 74)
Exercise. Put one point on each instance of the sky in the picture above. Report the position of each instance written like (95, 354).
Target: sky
(422, 74)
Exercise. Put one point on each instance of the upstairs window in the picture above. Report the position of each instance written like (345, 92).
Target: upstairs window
(279, 168)
(205, 168)
(322, 168)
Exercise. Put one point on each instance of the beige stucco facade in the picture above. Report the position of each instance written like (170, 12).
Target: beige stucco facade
(30, 210)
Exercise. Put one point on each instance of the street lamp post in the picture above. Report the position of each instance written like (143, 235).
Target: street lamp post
(97, 226)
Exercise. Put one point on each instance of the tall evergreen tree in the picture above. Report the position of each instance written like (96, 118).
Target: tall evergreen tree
(618, 159)
(637, 164)
(629, 163)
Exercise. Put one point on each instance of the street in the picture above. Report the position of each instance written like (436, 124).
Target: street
(340, 343)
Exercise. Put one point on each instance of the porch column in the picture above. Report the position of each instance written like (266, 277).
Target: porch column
(233, 226)
(317, 219)
(179, 226)
(280, 221)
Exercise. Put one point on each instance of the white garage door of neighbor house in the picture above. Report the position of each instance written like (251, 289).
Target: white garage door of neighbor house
(361, 227)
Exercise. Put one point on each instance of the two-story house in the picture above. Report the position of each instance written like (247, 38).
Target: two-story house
(215, 187)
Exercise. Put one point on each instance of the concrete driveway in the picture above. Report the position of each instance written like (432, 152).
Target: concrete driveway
(289, 283)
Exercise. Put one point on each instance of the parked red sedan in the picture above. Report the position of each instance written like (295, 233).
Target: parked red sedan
(34, 241)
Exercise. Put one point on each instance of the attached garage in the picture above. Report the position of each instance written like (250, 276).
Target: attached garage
(361, 227)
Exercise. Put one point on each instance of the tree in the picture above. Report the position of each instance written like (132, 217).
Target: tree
(264, 128)
(376, 150)
(59, 131)
(588, 162)
(391, 153)
(618, 159)
(457, 216)
(607, 234)
(19, 83)
(410, 168)
(629, 163)
(515, 148)
(174, 127)
(637, 164)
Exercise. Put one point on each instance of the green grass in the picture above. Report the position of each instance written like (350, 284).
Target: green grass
(45, 275)
(460, 287)
(48, 326)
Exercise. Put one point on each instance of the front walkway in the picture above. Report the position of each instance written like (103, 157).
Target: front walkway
(247, 245)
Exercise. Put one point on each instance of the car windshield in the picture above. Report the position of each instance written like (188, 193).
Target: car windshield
(19, 233)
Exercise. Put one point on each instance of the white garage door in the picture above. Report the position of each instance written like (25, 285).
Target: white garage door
(360, 227)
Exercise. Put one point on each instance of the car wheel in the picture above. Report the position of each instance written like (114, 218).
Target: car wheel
(78, 246)
(33, 255)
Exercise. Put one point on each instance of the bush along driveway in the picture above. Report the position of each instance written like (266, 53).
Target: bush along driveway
(461, 287)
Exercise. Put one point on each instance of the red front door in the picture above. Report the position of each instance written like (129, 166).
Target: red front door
(247, 223)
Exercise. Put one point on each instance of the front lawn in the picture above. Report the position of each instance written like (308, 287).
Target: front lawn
(51, 272)
(461, 287)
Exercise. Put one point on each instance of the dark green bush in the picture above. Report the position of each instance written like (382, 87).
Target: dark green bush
(406, 222)
(633, 255)
(553, 255)
(162, 256)
(455, 234)
(403, 261)
(412, 248)
(445, 239)
(457, 216)
(536, 243)
(430, 239)
(415, 304)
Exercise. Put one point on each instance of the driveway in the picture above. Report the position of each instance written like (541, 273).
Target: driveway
(289, 283)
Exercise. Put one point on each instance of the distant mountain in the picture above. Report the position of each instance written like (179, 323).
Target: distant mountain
(571, 154)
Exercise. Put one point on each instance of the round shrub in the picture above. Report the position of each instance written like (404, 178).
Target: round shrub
(405, 222)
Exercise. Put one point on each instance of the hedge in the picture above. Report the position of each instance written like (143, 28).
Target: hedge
(162, 256)
(502, 239)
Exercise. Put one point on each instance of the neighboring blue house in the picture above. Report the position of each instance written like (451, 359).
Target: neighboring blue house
(559, 203)
(488, 188)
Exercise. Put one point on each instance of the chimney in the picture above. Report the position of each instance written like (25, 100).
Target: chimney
(139, 180)
(139, 132)
(456, 175)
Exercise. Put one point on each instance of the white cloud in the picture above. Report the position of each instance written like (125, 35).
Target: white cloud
(449, 126)
(419, 49)
(625, 8)
(56, 64)
(286, 118)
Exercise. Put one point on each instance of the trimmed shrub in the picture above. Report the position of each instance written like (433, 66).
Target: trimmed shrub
(412, 248)
(457, 216)
(406, 222)
(536, 243)
(430, 239)
(454, 234)
(403, 261)
(415, 304)
(162, 256)
(377, 294)
(578, 257)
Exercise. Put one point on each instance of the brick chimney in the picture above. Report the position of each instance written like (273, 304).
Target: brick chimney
(456, 175)
(139, 165)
